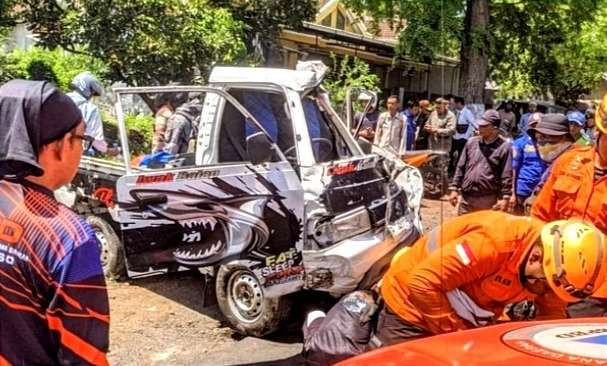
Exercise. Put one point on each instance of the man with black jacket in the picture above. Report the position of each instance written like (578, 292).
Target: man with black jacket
(483, 176)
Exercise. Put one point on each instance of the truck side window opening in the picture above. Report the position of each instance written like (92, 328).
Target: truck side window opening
(269, 110)
(327, 143)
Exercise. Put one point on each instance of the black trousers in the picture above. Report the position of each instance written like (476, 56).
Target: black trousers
(457, 146)
(392, 329)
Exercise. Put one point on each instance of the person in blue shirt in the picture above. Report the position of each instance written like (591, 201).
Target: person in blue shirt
(524, 121)
(410, 113)
(527, 167)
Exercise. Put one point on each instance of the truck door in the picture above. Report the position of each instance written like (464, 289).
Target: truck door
(245, 204)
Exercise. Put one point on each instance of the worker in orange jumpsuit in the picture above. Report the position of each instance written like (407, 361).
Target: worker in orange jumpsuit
(464, 273)
(577, 188)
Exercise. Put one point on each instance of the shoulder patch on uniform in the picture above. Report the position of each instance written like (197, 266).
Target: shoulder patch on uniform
(464, 253)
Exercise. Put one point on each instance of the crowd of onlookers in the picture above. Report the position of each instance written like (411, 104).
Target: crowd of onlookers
(494, 161)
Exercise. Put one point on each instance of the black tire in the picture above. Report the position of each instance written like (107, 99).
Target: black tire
(265, 316)
(110, 247)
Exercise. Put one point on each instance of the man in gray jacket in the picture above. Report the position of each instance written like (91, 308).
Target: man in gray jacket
(440, 126)
(483, 176)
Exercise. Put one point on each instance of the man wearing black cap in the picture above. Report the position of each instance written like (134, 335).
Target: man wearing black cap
(53, 301)
(483, 175)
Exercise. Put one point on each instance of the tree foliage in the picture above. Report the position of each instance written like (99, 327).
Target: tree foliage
(533, 47)
(537, 47)
(7, 20)
(148, 42)
(349, 72)
(56, 66)
(263, 20)
(143, 42)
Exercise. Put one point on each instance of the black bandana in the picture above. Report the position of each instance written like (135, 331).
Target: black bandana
(32, 114)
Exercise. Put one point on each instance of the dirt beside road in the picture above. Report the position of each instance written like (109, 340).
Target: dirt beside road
(164, 321)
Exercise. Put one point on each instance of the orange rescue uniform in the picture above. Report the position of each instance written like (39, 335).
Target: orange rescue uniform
(480, 254)
(571, 192)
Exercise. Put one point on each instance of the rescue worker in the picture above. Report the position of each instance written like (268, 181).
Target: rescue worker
(463, 274)
(53, 302)
(577, 188)
(552, 139)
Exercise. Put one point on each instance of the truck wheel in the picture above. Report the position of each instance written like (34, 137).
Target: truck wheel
(241, 300)
(111, 253)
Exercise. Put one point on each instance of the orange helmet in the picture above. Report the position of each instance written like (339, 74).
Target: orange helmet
(574, 258)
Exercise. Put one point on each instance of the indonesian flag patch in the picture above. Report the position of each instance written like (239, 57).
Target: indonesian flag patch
(464, 253)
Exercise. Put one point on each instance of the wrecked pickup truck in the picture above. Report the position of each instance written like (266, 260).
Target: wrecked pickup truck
(277, 197)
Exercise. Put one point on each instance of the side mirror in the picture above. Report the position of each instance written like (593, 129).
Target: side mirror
(259, 148)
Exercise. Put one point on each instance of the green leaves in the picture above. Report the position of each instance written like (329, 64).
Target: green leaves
(56, 66)
(347, 73)
(143, 42)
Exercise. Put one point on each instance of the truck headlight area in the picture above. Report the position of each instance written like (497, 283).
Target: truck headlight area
(341, 227)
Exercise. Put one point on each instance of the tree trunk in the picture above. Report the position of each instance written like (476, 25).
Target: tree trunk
(474, 52)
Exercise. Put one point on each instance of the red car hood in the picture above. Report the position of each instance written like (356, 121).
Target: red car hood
(557, 342)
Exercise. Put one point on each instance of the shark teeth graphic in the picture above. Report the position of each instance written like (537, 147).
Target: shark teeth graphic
(189, 255)
(208, 223)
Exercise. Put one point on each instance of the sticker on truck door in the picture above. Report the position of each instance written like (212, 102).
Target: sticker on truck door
(242, 212)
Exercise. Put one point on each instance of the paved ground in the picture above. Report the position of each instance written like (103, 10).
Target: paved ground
(165, 321)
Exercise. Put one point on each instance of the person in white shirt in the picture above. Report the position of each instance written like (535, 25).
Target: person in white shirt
(464, 129)
(84, 87)
(391, 132)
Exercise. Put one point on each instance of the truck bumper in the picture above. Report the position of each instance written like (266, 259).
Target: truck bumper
(340, 268)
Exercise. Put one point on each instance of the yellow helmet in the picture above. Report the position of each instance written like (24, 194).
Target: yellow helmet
(574, 258)
(600, 119)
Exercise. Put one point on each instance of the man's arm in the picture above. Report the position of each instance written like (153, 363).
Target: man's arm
(462, 261)
(506, 177)
(379, 130)
(460, 168)
(403, 135)
(94, 128)
(78, 314)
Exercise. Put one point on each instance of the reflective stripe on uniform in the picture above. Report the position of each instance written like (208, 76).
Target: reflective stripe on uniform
(432, 243)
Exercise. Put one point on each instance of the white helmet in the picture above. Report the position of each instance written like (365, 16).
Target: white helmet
(87, 85)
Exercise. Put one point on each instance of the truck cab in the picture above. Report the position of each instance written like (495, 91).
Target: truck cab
(276, 197)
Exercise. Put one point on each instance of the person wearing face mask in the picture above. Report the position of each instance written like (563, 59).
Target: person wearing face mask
(552, 138)
(577, 188)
